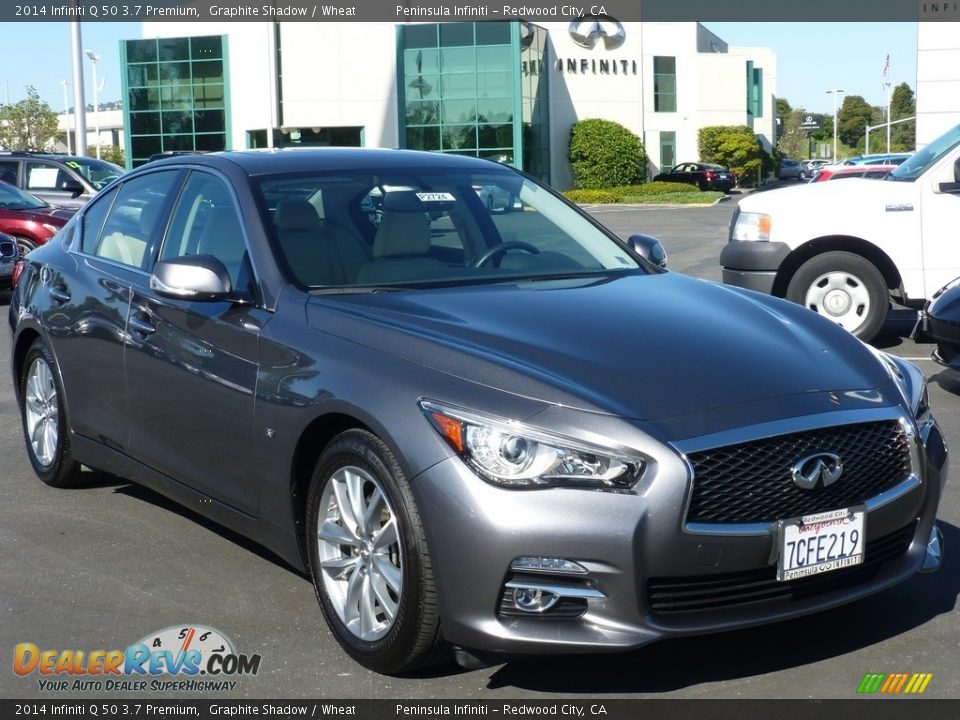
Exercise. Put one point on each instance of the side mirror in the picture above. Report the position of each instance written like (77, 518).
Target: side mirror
(954, 187)
(73, 187)
(649, 248)
(192, 277)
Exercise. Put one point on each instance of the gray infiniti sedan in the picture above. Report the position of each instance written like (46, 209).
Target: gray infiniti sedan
(489, 432)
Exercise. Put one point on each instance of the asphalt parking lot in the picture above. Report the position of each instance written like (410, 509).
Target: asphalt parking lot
(103, 566)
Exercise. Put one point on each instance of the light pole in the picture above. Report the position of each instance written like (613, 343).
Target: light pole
(66, 115)
(96, 102)
(835, 92)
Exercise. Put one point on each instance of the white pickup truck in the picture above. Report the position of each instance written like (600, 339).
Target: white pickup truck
(844, 248)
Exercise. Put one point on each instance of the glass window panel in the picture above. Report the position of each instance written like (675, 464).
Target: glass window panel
(423, 138)
(145, 146)
(175, 123)
(493, 33)
(456, 34)
(176, 97)
(174, 49)
(459, 86)
(459, 111)
(665, 65)
(209, 121)
(174, 72)
(496, 136)
(503, 155)
(141, 51)
(206, 48)
(494, 58)
(423, 113)
(459, 137)
(177, 142)
(461, 59)
(144, 99)
(665, 84)
(144, 123)
(208, 72)
(208, 96)
(495, 83)
(211, 142)
(141, 75)
(423, 87)
(495, 110)
(419, 36)
(421, 61)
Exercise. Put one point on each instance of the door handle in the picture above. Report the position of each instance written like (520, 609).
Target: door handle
(59, 294)
(142, 325)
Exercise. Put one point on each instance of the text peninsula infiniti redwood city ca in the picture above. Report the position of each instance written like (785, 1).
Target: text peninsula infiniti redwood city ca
(485, 426)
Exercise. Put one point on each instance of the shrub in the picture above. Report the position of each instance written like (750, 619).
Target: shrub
(605, 154)
(733, 146)
(591, 196)
(656, 188)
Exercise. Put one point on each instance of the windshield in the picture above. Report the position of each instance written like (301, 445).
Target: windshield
(917, 164)
(401, 227)
(13, 198)
(98, 173)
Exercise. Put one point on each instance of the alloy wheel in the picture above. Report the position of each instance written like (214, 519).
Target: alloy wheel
(42, 412)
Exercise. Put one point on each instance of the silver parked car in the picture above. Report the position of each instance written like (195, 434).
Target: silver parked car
(500, 432)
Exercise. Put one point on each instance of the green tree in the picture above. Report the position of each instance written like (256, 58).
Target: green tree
(606, 154)
(794, 142)
(783, 108)
(852, 120)
(734, 146)
(29, 124)
(903, 105)
(110, 153)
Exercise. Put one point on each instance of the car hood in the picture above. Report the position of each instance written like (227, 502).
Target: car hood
(52, 215)
(641, 347)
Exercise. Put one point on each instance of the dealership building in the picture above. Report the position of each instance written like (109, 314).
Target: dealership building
(504, 90)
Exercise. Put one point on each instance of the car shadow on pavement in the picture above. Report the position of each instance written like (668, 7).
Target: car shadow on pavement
(145, 494)
(683, 662)
(899, 325)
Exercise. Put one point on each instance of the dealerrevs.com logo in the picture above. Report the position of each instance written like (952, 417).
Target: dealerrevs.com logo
(186, 658)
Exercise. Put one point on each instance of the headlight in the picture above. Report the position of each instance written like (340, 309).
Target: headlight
(508, 453)
(751, 227)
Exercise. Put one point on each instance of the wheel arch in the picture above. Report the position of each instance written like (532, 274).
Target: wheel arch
(24, 340)
(832, 243)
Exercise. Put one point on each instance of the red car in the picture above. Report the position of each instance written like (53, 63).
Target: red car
(841, 172)
(28, 219)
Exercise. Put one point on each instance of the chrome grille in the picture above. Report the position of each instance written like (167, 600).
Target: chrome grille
(752, 482)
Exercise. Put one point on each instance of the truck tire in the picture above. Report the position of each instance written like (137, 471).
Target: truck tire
(845, 288)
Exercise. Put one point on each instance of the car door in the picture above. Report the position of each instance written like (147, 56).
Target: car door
(91, 300)
(191, 366)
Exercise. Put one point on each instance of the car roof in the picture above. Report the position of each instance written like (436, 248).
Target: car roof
(269, 161)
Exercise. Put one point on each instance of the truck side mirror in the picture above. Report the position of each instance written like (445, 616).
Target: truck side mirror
(952, 187)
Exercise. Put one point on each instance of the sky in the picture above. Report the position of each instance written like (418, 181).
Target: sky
(811, 58)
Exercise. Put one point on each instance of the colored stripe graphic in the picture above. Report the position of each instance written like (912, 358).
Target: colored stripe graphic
(895, 683)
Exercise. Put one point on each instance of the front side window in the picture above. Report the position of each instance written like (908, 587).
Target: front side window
(206, 222)
(665, 84)
(400, 227)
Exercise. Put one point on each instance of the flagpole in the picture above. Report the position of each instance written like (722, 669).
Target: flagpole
(886, 83)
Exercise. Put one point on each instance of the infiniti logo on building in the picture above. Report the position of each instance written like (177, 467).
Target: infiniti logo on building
(585, 33)
(820, 469)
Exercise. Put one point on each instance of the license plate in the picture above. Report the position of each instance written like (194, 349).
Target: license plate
(815, 544)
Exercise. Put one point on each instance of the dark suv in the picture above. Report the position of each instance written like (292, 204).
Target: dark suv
(63, 180)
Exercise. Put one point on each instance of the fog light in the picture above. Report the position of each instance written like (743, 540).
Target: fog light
(534, 600)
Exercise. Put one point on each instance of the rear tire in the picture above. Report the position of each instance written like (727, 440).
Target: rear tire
(25, 245)
(44, 420)
(368, 557)
(845, 288)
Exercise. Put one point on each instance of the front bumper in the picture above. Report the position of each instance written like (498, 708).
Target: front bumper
(752, 265)
(632, 546)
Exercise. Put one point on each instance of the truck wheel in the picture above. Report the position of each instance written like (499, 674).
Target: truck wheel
(845, 288)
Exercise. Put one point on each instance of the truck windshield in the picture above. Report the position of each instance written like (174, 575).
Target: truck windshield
(917, 164)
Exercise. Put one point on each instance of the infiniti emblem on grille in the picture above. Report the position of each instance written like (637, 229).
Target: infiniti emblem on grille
(820, 469)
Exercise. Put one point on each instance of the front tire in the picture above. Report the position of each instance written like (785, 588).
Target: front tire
(368, 557)
(44, 420)
(845, 288)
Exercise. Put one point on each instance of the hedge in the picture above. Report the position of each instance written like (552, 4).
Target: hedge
(605, 154)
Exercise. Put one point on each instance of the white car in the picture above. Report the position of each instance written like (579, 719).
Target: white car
(494, 198)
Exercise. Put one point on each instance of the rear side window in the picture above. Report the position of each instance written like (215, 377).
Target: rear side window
(44, 176)
(94, 215)
(134, 217)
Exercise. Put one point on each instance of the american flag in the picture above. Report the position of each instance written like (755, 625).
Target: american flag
(886, 67)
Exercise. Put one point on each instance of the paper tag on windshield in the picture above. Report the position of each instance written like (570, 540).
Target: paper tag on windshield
(436, 197)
